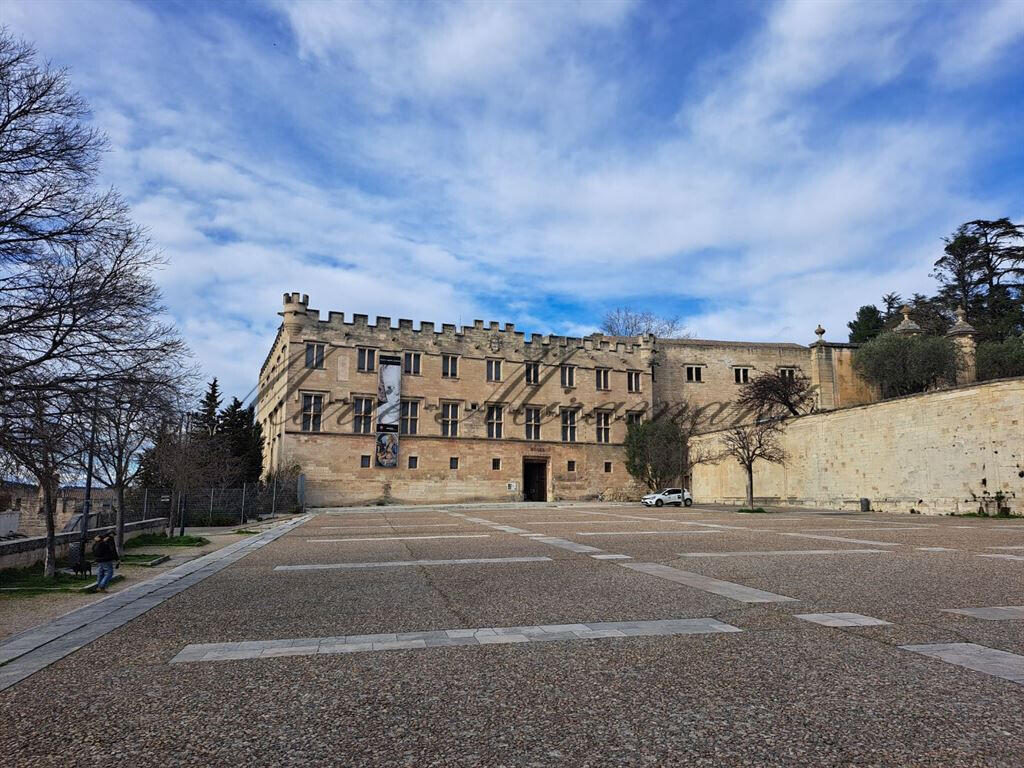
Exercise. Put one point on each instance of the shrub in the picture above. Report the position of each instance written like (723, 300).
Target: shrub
(905, 365)
(1001, 359)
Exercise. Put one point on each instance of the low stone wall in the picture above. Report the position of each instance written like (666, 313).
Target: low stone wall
(22, 553)
(953, 451)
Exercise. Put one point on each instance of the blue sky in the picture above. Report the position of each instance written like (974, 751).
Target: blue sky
(756, 168)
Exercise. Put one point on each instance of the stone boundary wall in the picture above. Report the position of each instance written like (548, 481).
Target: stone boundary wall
(22, 553)
(957, 450)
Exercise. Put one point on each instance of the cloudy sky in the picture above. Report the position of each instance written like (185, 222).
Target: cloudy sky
(756, 168)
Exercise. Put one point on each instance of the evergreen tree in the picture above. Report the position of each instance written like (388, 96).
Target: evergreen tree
(868, 324)
(243, 439)
(206, 420)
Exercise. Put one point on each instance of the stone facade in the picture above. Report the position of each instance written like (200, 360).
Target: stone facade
(641, 376)
(951, 451)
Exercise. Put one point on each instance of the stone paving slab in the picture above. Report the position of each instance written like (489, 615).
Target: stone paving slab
(842, 619)
(784, 552)
(995, 613)
(27, 652)
(716, 586)
(407, 563)
(371, 539)
(839, 538)
(261, 649)
(991, 661)
(1004, 557)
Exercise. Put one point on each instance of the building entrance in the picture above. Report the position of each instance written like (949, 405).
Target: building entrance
(535, 479)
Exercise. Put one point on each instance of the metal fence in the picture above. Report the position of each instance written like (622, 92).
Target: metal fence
(202, 506)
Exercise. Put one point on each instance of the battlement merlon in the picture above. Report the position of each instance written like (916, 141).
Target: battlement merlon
(299, 319)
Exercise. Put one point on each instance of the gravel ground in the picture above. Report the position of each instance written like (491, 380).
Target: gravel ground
(782, 692)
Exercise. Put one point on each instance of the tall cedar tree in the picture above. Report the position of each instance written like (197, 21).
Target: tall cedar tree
(868, 324)
(243, 439)
(206, 421)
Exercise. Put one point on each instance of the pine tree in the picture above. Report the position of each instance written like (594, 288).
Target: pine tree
(243, 439)
(206, 421)
(868, 324)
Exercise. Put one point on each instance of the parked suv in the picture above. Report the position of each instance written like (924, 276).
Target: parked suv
(677, 496)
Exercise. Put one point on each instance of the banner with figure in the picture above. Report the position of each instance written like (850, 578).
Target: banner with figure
(389, 410)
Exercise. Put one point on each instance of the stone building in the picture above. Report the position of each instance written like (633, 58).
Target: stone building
(484, 412)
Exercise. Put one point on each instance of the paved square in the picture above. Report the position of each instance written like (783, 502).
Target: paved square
(501, 635)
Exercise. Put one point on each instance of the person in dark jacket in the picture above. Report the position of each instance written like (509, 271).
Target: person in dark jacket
(105, 552)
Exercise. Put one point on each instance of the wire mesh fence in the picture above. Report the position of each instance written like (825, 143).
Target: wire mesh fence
(215, 506)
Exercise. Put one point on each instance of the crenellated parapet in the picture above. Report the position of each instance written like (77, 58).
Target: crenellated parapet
(300, 322)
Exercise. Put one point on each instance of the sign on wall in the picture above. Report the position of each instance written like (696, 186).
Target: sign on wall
(389, 410)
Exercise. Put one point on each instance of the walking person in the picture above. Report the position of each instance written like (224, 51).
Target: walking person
(105, 552)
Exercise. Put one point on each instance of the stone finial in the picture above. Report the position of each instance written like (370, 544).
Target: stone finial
(819, 332)
(907, 326)
(961, 327)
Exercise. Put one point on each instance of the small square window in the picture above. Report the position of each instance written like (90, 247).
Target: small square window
(495, 463)
(411, 363)
(602, 378)
(314, 355)
(742, 375)
(364, 460)
(453, 462)
(607, 466)
(571, 466)
(494, 370)
(693, 373)
(568, 376)
(787, 373)
(414, 462)
(633, 381)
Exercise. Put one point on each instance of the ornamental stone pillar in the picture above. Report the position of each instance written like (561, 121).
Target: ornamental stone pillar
(962, 334)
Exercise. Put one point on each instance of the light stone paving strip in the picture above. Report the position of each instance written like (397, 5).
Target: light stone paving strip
(782, 552)
(840, 538)
(544, 633)
(28, 652)
(995, 613)
(842, 619)
(1005, 557)
(1004, 547)
(640, 533)
(936, 549)
(387, 527)
(727, 589)
(403, 538)
(404, 563)
(572, 546)
(1008, 666)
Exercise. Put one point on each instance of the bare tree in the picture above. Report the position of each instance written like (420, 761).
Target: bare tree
(749, 443)
(44, 437)
(773, 395)
(128, 424)
(623, 321)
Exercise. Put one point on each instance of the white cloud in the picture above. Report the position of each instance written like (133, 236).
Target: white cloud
(986, 32)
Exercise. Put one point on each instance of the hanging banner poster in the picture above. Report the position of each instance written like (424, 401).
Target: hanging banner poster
(389, 410)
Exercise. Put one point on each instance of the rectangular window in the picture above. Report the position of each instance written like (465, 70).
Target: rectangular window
(787, 373)
(366, 359)
(634, 417)
(453, 462)
(410, 423)
(533, 373)
(533, 423)
(449, 419)
(494, 421)
(362, 413)
(494, 370)
(568, 425)
(364, 460)
(570, 466)
(607, 466)
(633, 381)
(314, 355)
(602, 378)
(568, 376)
(411, 363)
(312, 411)
(742, 375)
(450, 366)
(495, 463)
(693, 373)
(414, 462)
(604, 426)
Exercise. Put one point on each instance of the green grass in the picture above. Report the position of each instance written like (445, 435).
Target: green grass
(137, 558)
(756, 511)
(246, 532)
(30, 581)
(161, 540)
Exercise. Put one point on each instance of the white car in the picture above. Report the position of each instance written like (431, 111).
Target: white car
(677, 496)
